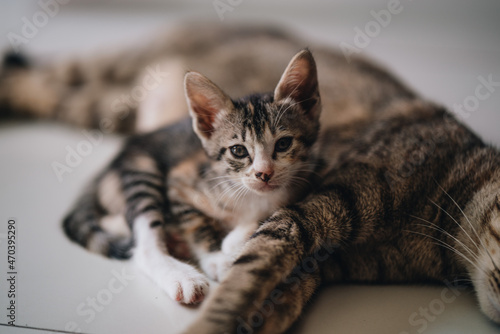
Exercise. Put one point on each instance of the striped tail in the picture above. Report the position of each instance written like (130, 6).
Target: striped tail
(82, 226)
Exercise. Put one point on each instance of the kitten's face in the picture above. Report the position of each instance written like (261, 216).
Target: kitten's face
(264, 145)
(261, 143)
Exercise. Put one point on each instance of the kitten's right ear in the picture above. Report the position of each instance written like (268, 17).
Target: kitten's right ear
(299, 83)
(205, 101)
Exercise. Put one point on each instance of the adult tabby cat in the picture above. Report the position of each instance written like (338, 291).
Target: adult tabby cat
(252, 156)
(407, 192)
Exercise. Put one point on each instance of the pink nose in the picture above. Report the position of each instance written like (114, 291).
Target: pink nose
(265, 177)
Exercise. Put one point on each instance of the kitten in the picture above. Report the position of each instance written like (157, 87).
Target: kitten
(241, 161)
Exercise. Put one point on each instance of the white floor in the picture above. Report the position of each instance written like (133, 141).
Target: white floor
(438, 47)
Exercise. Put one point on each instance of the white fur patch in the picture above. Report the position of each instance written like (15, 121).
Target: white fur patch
(233, 243)
(110, 195)
(216, 265)
(179, 280)
(165, 104)
(115, 225)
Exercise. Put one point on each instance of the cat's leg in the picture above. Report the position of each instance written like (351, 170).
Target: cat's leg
(143, 186)
(217, 263)
(332, 216)
(204, 236)
(283, 306)
(181, 281)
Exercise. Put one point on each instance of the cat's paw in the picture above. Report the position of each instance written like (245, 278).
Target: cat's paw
(186, 285)
(216, 265)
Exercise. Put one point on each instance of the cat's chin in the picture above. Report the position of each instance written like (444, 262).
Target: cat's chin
(263, 188)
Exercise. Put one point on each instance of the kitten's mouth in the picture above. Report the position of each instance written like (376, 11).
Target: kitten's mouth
(263, 187)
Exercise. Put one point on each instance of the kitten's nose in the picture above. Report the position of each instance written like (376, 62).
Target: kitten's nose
(265, 177)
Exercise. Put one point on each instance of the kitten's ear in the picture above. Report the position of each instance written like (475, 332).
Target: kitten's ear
(205, 101)
(299, 82)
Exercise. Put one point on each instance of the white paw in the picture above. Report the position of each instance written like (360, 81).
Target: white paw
(216, 265)
(185, 285)
(181, 281)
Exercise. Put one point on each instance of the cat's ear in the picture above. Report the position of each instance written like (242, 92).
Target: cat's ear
(205, 102)
(299, 83)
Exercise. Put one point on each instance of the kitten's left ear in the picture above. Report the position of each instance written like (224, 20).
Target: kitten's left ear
(299, 82)
(205, 101)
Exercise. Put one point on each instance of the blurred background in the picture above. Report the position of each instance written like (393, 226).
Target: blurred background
(439, 47)
(444, 49)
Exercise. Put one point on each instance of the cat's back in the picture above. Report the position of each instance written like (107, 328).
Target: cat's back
(245, 59)
(169, 145)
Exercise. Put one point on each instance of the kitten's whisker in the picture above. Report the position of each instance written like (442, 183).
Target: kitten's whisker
(288, 97)
(222, 177)
(308, 171)
(291, 105)
(223, 193)
(299, 179)
(241, 196)
(220, 184)
(282, 112)
(237, 196)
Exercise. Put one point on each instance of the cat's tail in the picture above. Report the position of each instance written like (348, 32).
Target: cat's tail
(87, 93)
(84, 225)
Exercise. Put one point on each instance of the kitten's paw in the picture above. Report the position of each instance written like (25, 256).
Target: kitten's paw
(187, 286)
(216, 265)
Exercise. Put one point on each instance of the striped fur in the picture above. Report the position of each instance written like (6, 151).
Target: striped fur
(407, 195)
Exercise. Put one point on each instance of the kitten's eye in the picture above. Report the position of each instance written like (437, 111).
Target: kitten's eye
(239, 151)
(283, 144)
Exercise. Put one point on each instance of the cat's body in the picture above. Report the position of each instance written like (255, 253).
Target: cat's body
(405, 194)
(409, 195)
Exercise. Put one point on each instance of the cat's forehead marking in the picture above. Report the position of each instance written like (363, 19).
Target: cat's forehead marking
(268, 138)
(260, 121)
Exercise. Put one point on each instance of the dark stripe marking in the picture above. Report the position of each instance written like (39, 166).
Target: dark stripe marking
(261, 273)
(244, 259)
(131, 184)
(271, 234)
(156, 223)
(140, 195)
(138, 173)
